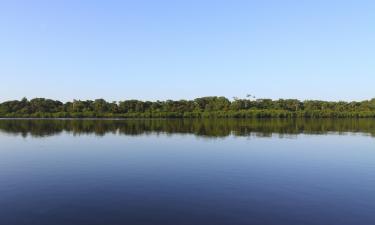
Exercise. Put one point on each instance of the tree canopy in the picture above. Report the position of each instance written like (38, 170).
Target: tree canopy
(213, 106)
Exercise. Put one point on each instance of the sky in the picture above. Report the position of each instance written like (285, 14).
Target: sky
(149, 50)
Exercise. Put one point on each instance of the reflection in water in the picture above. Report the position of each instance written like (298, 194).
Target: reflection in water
(184, 180)
(207, 128)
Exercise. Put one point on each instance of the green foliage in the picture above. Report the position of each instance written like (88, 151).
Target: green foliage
(205, 107)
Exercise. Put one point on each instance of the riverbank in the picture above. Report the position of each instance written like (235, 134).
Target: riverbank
(214, 114)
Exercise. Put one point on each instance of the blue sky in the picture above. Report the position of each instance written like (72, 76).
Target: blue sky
(185, 49)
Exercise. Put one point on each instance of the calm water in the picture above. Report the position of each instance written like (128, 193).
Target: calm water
(183, 172)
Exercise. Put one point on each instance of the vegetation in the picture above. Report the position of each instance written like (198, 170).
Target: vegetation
(205, 107)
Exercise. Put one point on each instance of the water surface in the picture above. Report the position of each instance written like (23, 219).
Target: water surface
(187, 172)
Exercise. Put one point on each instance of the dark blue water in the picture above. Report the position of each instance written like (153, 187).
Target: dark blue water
(53, 176)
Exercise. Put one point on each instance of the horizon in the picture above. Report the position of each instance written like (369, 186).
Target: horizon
(232, 99)
(183, 50)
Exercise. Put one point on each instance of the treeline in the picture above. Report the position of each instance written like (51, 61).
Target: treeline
(205, 107)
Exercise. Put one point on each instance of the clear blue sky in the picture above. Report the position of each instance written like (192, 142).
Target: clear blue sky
(184, 49)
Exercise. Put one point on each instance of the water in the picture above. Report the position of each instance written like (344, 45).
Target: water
(230, 172)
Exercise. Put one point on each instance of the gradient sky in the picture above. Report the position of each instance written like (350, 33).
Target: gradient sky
(184, 49)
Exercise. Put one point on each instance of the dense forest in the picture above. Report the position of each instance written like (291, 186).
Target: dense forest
(205, 107)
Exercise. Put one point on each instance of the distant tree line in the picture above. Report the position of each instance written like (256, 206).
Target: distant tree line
(205, 107)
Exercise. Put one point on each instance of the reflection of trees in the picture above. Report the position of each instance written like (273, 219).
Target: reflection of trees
(209, 128)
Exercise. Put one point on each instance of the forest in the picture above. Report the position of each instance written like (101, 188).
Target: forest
(204, 107)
